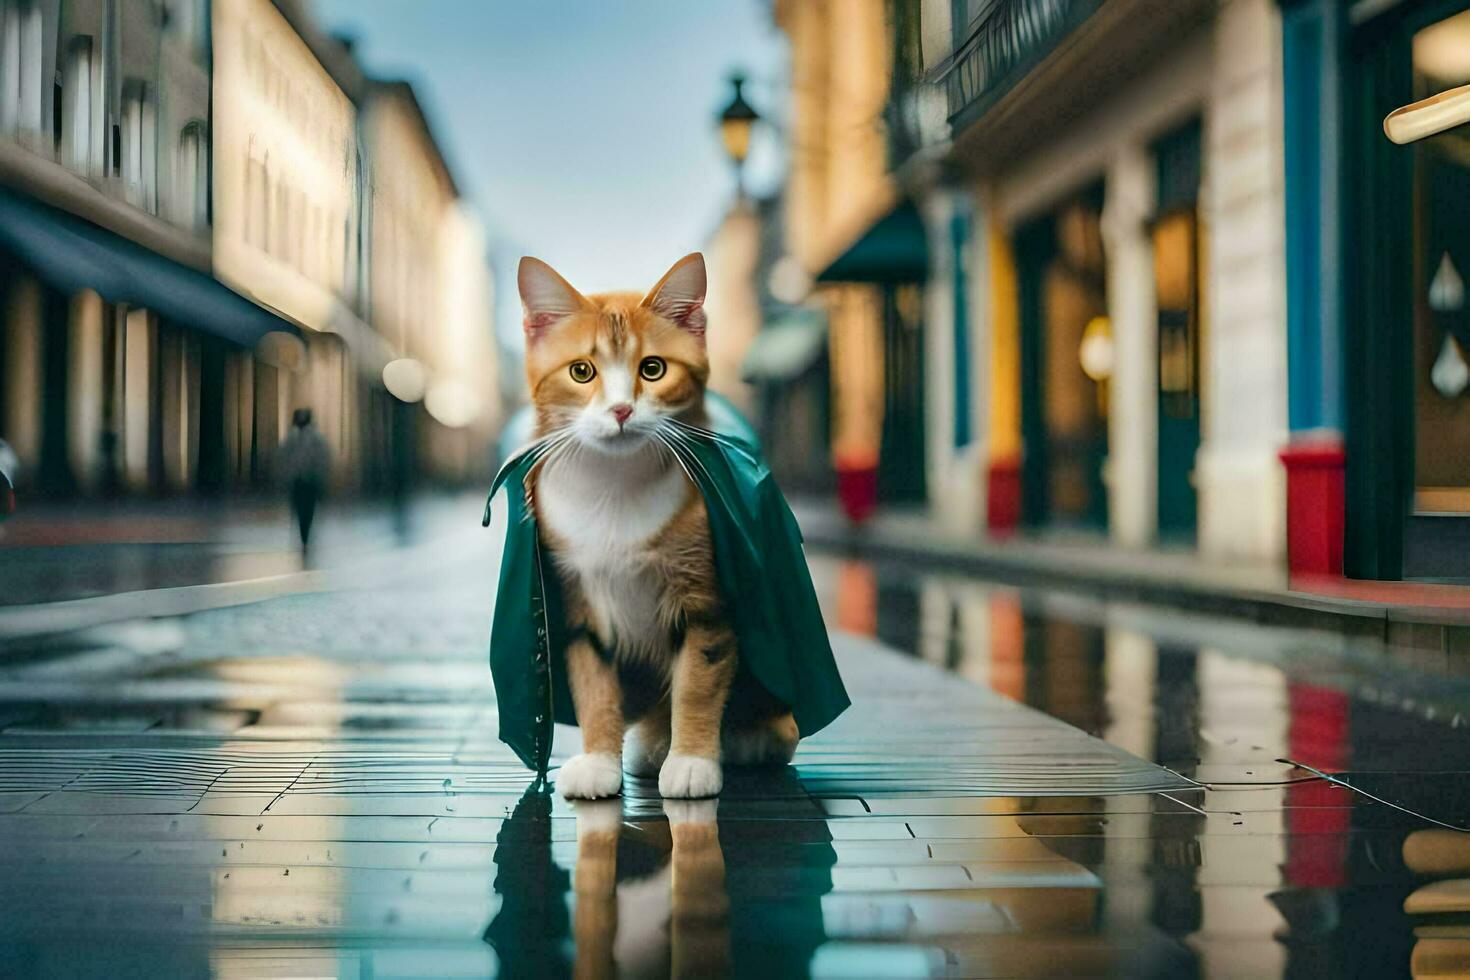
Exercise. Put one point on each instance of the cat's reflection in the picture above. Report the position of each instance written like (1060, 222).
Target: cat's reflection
(634, 917)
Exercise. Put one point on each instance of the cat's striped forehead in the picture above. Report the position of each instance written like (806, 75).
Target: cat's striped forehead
(617, 328)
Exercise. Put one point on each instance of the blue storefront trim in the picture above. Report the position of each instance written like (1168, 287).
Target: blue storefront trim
(1310, 39)
(959, 237)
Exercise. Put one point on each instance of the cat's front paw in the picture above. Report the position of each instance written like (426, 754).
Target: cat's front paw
(590, 776)
(688, 777)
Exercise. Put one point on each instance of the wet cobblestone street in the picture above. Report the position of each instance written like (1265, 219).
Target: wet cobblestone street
(1026, 785)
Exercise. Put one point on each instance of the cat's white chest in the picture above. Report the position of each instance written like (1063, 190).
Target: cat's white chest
(603, 514)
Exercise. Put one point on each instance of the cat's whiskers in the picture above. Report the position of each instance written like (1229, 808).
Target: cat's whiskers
(683, 441)
(711, 434)
(678, 457)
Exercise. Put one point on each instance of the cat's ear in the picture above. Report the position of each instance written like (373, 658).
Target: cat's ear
(546, 298)
(679, 295)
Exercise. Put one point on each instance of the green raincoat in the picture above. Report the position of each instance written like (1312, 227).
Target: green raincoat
(763, 579)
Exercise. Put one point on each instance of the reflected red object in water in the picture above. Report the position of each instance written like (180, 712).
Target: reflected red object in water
(1318, 818)
(1314, 507)
(1007, 645)
(857, 598)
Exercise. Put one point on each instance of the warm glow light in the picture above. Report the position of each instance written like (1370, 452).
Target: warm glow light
(405, 379)
(789, 281)
(735, 133)
(1096, 350)
(452, 404)
(736, 123)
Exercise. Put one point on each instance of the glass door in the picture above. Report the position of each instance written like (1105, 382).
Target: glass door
(1440, 523)
(1177, 289)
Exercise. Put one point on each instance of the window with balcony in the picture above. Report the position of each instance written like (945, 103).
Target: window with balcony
(21, 52)
(1441, 256)
(76, 109)
(191, 178)
(138, 164)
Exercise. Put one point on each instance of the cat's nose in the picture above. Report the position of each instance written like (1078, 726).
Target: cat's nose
(622, 411)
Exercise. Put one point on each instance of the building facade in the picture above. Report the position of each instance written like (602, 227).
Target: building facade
(840, 69)
(116, 335)
(1376, 249)
(430, 295)
(1132, 199)
(187, 253)
(1177, 287)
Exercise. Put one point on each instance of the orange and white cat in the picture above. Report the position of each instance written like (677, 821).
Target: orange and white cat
(615, 380)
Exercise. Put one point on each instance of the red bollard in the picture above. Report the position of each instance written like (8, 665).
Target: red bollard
(857, 486)
(1314, 507)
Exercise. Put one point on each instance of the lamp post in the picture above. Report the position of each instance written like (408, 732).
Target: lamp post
(736, 122)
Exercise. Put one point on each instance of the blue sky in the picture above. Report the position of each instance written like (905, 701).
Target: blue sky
(583, 130)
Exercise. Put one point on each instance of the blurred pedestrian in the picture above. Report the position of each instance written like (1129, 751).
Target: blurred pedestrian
(9, 476)
(305, 465)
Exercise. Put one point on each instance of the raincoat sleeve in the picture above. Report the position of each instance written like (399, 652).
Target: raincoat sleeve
(521, 634)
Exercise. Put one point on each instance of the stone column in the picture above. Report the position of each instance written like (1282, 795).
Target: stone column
(85, 388)
(1241, 485)
(22, 383)
(1132, 466)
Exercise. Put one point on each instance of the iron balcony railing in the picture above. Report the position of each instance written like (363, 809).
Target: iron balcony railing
(1006, 39)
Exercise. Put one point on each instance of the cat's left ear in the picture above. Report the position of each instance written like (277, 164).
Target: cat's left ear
(546, 298)
(679, 295)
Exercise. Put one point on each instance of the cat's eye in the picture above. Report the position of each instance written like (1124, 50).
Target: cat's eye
(652, 368)
(582, 371)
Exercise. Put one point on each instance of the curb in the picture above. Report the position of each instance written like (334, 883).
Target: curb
(1434, 629)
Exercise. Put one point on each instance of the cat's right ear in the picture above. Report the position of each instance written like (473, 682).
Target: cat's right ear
(546, 298)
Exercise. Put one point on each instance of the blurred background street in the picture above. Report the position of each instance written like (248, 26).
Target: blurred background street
(1111, 356)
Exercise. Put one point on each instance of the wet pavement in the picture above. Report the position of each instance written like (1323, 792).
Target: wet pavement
(1028, 784)
(57, 552)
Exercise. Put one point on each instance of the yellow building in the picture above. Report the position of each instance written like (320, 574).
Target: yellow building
(333, 205)
(429, 284)
(288, 223)
(837, 185)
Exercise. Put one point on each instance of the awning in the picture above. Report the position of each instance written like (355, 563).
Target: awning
(786, 348)
(73, 255)
(895, 249)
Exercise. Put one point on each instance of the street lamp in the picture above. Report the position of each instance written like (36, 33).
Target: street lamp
(736, 122)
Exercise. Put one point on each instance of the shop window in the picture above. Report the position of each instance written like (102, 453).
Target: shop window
(21, 82)
(76, 107)
(191, 177)
(138, 147)
(1175, 281)
(1441, 227)
(257, 204)
(1065, 363)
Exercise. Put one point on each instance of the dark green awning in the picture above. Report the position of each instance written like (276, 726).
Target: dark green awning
(894, 250)
(72, 255)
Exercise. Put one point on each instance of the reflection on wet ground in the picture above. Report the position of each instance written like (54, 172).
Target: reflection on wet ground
(1321, 880)
(30, 575)
(312, 786)
(51, 553)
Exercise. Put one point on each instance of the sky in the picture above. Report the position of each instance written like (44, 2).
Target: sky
(584, 131)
